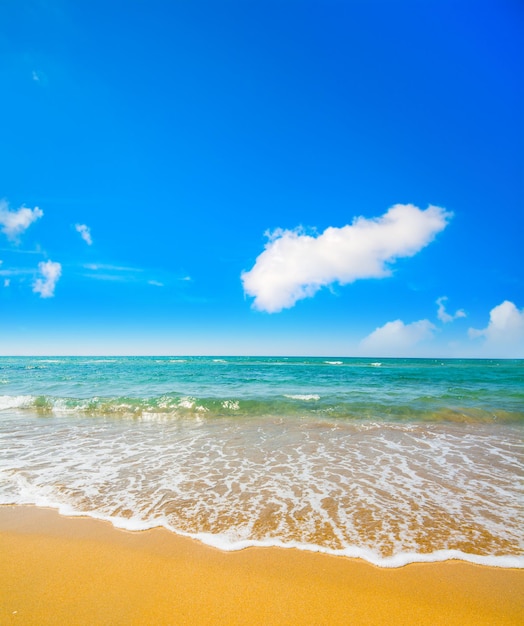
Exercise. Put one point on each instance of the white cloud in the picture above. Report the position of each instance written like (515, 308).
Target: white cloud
(51, 272)
(17, 271)
(85, 233)
(396, 338)
(505, 331)
(7, 281)
(112, 268)
(39, 77)
(117, 273)
(443, 315)
(14, 223)
(155, 283)
(295, 265)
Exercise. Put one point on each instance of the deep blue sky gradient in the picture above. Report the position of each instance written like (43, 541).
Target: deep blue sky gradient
(180, 132)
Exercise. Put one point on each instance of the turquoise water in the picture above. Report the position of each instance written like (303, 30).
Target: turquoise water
(391, 460)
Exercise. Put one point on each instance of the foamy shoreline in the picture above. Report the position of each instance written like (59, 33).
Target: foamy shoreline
(413, 461)
(57, 569)
(226, 543)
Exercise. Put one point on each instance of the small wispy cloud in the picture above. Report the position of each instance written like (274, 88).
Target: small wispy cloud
(39, 77)
(295, 265)
(443, 315)
(397, 338)
(17, 271)
(85, 233)
(115, 273)
(37, 250)
(51, 272)
(131, 275)
(95, 267)
(7, 282)
(14, 223)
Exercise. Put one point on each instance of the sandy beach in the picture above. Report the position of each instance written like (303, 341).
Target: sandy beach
(61, 570)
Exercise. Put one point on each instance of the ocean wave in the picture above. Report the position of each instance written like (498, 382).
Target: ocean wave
(391, 493)
(303, 396)
(289, 405)
(226, 542)
(16, 402)
(52, 361)
(407, 462)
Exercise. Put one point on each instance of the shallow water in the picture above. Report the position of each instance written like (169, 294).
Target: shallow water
(392, 461)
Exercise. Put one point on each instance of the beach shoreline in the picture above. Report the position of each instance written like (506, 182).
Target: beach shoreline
(78, 570)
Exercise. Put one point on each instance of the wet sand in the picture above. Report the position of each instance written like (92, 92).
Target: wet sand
(62, 570)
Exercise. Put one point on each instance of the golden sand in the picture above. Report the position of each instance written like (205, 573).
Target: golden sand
(58, 570)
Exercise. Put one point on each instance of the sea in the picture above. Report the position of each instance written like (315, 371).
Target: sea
(388, 460)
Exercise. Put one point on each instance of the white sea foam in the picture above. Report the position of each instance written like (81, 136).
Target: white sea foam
(104, 360)
(228, 460)
(233, 405)
(303, 396)
(233, 484)
(223, 542)
(229, 542)
(15, 402)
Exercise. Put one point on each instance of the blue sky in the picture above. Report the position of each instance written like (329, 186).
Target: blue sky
(329, 177)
